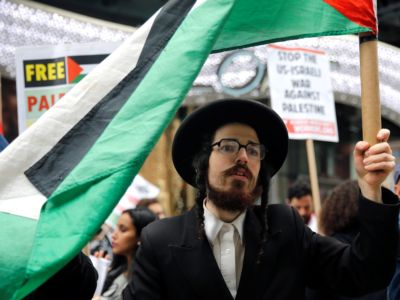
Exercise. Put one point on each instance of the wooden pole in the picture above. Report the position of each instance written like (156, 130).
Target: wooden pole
(312, 169)
(370, 100)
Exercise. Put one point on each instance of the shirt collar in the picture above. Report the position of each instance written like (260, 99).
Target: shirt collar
(212, 225)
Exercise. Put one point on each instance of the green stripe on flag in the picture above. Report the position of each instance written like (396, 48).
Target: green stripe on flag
(20, 233)
(78, 78)
(255, 22)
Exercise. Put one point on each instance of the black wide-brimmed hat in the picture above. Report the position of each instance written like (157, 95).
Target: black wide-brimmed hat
(207, 119)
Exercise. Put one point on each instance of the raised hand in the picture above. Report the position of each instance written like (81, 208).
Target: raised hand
(373, 164)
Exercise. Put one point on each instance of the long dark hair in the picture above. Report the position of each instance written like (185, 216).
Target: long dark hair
(200, 164)
(140, 217)
(340, 209)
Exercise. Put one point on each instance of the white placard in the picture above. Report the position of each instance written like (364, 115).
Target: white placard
(139, 189)
(301, 92)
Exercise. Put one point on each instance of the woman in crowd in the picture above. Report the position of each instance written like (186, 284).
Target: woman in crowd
(125, 241)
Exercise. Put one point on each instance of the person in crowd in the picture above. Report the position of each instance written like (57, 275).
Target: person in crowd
(394, 286)
(300, 197)
(338, 218)
(154, 205)
(228, 248)
(125, 241)
(77, 280)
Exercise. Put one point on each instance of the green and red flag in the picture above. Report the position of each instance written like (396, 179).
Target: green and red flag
(362, 12)
(63, 176)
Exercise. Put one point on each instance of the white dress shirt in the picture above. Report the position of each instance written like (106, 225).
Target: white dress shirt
(313, 223)
(226, 240)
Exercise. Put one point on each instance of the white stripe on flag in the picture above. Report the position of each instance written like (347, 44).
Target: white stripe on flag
(28, 206)
(87, 68)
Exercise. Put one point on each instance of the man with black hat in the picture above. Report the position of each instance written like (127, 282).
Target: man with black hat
(228, 247)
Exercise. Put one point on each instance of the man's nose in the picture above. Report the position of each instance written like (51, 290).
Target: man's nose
(242, 155)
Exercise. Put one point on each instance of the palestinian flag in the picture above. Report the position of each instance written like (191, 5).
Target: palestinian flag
(79, 66)
(62, 177)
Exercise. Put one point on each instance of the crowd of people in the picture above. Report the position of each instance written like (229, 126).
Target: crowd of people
(228, 247)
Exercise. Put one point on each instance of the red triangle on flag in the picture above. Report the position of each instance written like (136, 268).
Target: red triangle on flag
(73, 69)
(361, 12)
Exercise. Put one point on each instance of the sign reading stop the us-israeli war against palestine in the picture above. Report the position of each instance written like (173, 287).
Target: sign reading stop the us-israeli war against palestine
(301, 92)
(44, 74)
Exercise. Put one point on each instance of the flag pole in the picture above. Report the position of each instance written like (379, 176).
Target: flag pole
(312, 169)
(370, 100)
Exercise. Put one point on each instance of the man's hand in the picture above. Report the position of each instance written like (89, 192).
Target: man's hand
(373, 164)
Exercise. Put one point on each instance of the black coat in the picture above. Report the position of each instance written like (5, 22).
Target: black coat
(172, 263)
(77, 281)
(345, 236)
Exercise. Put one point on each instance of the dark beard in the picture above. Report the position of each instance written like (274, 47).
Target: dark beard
(233, 200)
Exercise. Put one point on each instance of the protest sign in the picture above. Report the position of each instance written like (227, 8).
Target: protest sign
(301, 92)
(139, 189)
(45, 74)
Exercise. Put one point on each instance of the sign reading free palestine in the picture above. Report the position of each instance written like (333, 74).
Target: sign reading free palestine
(301, 92)
(44, 74)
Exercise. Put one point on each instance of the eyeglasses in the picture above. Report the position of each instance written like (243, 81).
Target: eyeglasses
(232, 147)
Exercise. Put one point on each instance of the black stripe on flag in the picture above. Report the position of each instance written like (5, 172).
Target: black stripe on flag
(47, 174)
(88, 59)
